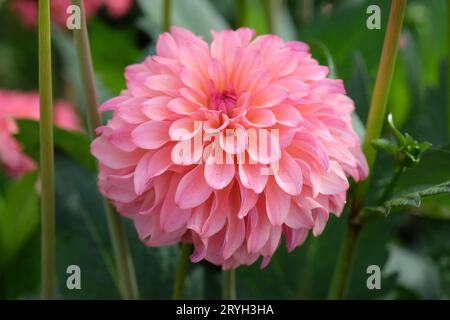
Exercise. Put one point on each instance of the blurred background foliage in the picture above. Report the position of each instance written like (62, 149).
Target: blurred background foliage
(412, 245)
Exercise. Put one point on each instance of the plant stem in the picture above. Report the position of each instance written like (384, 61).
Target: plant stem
(123, 259)
(391, 185)
(309, 269)
(183, 263)
(167, 6)
(374, 126)
(345, 260)
(377, 112)
(272, 8)
(229, 285)
(46, 153)
(305, 11)
(240, 12)
(448, 70)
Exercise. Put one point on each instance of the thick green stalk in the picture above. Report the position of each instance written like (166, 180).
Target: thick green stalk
(229, 285)
(167, 6)
(374, 126)
(377, 112)
(46, 153)
(182, 268)
(345, 260)
(123, 259)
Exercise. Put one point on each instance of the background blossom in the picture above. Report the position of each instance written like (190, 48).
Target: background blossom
(27, 10)
(25, 105)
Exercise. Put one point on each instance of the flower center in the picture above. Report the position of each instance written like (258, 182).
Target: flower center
(223, 101)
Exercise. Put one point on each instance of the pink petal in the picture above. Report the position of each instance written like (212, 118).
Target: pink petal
(287, 115)
(264, 146)
(182, 106)
(270, 96)
(157, 108)
(261, 118)
(259, 230)
(193, 189)
(219, 169)
(288, 175)
(172, 217)
(278, 203)
(248, 201)
(184, 129)
(111, 156)
(151, 134)
(164, 83)
(251, 176)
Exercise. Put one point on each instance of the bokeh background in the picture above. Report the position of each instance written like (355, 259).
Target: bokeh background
(411, 245)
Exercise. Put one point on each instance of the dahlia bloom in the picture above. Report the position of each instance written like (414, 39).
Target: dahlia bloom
(27, 10)
(16, 105)
(192, 93)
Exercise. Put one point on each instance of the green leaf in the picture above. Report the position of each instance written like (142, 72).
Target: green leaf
(199, 16)
(434, 166)
(19, 216)
(285, 26)
(83, 239)
(306, 272)
(409, 199)
(82, 234)
(109, 68)
(74, 144)
(384, 144)
(414, 272)
(322, 51)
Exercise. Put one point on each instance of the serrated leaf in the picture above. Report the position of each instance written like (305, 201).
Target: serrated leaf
(409, 199)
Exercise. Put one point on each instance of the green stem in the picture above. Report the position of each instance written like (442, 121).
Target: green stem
(448, 69)
(377, 112)
(240, 9)
(46, 153)
(307, 275)
(229, 285)
(123, 259)
(183, 264)
(167, 6)
(374, 126)
(391, 185)
(272, 8)
(305, 11)
(345, 260)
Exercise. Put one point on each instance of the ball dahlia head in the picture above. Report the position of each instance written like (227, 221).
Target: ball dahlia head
(266, 144)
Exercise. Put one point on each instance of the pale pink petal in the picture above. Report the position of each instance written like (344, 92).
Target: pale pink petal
(151, 135)
(278, 203)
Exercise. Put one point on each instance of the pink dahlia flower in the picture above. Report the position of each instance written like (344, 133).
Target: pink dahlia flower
(15, 105)
(28, 9)
(229, 197)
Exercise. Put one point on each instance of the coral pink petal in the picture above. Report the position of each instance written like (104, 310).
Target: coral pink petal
(192, 189)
